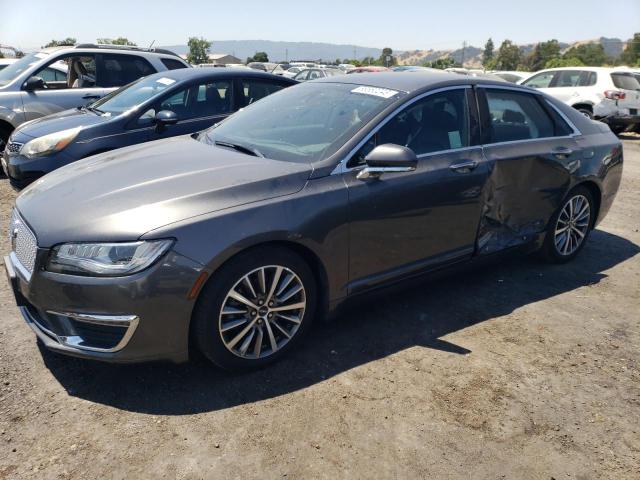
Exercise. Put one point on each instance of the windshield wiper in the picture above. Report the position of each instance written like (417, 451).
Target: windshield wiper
(240, 148)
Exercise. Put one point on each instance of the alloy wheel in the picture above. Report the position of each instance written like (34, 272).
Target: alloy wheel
(572, 225)
(262, 312)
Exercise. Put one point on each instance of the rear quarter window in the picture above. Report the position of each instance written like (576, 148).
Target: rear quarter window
(172, 64)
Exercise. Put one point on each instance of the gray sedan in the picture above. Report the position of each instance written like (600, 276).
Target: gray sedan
(235, 239)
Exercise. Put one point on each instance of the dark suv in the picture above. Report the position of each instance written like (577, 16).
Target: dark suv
(59, 78)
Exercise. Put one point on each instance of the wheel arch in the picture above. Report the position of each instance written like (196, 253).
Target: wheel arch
(5, 125)
(596, 193)
(308, 255)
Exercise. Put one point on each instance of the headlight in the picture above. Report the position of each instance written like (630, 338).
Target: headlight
(54, 142)
(106, 259)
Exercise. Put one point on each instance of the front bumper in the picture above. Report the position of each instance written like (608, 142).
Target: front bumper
(137, 318)
(22, 171)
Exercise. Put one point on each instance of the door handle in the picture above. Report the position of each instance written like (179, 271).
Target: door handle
(89, 97)
(464, 167)
(561, 152)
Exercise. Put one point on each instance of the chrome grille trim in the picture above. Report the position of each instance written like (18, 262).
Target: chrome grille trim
(23, 243)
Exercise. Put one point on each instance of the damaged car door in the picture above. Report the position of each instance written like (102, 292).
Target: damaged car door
(404, 222)
(531, 153)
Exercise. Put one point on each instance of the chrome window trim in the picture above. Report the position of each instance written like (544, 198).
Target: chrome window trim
(342, 165)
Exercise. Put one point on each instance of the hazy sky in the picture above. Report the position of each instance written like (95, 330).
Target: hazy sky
(402, 25)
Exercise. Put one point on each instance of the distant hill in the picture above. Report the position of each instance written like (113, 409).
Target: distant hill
(279, 51)
(613, 47)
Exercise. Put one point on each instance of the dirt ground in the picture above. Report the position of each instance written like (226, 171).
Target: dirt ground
(519, 370)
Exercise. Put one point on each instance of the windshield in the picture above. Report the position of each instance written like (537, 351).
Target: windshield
(16, 68)
(305, 123)
(132, 95)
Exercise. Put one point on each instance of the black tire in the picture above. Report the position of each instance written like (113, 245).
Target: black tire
(207, 316)
(549, 250)
(587, 112)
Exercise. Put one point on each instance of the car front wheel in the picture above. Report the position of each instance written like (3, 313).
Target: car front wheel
(569, 227)
(255, 308)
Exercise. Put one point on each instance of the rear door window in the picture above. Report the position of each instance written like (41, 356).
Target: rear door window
(541, 80)
(587, 79)
(116, 70)
(568, 78)
(516, 116)
(254, 90)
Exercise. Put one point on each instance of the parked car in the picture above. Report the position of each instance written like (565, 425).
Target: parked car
(161, 105)
(511, 76)
(346, 66)
(34, 86)
(597, 92)
(293, 71)
(369, 69)
(235, 239)
(314, 73)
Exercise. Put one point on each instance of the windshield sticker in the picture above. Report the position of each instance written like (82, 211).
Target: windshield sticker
(165, 81)
(375, 91)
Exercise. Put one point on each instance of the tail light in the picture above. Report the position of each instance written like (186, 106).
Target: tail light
(615, 95)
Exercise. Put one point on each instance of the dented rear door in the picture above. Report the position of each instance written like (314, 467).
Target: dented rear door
(530, 159)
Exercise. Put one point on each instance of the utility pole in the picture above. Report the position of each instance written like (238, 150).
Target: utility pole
(464, 48)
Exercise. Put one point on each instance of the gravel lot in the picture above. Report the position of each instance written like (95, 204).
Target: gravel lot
(521, 370)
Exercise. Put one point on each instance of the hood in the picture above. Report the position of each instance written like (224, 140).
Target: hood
(121, 195)
(61, 121)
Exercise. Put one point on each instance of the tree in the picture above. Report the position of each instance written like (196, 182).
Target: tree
(542, 53)
(198, 50)
(258, 57)
(61, 43)
(563, 62)
(591, 54)
(509, 56)
(631, 54)
(116, 41)
(387, 52)
(441, 63)
(487, 55)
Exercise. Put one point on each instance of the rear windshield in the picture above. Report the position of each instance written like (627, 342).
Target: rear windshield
(625, 81)
(13, 70)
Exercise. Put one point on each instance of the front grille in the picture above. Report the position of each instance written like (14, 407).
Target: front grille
(23, 242)
(14, 147)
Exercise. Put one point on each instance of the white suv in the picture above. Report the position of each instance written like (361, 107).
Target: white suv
(607, 94)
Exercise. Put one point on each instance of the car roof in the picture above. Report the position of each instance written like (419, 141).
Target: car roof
(185, 74)
(408, 81)
(590, 69)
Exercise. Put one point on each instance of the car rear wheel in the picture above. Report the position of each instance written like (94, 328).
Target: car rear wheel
(255, 308)
(569, 227)
(586, 112)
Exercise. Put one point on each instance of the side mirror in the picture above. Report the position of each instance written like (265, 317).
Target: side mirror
(388, 158)
(164, 118)
(34, 83)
